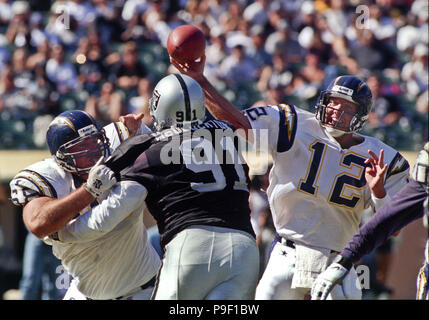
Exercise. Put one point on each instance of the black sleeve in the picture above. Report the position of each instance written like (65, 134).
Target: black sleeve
(127, 153)
(405, 207)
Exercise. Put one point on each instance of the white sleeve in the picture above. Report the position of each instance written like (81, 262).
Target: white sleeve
(396, 178)
(123, 199)
(397, 174)
(116, 132)
(378, 202)
(273, 127)
(42, 179)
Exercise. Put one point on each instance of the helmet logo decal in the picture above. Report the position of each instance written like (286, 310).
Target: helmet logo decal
(62, 120)
(155, 100)
(87, 130)
(343, 90)
(361, 85)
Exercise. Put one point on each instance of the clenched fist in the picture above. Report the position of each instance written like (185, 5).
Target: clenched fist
(100, 179)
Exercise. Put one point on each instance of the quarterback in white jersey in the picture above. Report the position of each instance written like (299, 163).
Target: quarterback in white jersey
(104, 247)
(321, 179)
(312, 175)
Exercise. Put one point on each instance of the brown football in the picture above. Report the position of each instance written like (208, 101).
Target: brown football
(186, 43)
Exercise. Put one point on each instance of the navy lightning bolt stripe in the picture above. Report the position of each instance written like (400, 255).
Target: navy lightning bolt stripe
(119, 131)
(43, 179)
(287, 127)
(398, 164)
(33, 182)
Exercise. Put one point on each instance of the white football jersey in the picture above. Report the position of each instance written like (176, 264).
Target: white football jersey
(318, 190)
(105, 249)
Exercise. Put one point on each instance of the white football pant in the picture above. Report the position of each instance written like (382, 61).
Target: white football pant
(138, 294)
(276, 281)
(207, 262)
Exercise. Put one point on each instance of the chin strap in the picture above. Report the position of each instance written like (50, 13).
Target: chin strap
(334, 132)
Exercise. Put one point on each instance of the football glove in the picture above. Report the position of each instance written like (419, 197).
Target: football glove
(100, 179)
(333, 275)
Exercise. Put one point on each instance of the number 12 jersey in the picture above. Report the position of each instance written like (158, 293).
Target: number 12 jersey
(318, 190)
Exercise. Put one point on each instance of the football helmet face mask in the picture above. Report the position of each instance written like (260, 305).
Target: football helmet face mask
(353, 90)
(76, 142)
(177, 100)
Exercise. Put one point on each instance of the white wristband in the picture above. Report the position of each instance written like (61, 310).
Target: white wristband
(90, 190)
(378, 202)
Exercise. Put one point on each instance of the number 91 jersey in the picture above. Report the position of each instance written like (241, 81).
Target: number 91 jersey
(318, 190)
(193, 177)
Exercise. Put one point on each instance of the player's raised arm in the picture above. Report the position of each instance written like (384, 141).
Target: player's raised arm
(218, 106)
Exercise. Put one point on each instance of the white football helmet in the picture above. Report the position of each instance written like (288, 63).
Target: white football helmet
(177, 100)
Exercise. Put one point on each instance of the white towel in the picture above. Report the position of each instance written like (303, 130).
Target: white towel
(309, 262)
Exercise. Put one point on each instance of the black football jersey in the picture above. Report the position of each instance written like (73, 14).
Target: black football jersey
(193, 176)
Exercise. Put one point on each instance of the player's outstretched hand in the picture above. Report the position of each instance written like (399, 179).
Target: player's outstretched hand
(193, 69)
(132, 122)
(100, 179)
(374, 174)
(326, 281)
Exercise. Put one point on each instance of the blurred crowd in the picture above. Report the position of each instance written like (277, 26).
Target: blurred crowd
(105, 56)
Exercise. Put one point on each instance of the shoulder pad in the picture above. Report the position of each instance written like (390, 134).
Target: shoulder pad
(116, 132)
(44, 179)
(281, 121)
(287, 127)
(27, 185)
(256, 112)
(397, 165)
(33, 180)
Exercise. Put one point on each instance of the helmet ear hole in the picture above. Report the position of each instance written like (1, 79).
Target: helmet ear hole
(320, 113)
(355, 123)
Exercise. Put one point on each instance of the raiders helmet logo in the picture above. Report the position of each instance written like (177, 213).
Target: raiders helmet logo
(153, 104)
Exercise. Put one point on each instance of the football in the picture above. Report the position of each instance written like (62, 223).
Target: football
(186, 43)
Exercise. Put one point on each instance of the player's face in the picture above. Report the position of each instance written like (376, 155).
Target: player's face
(339, 113)
(87, 153)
